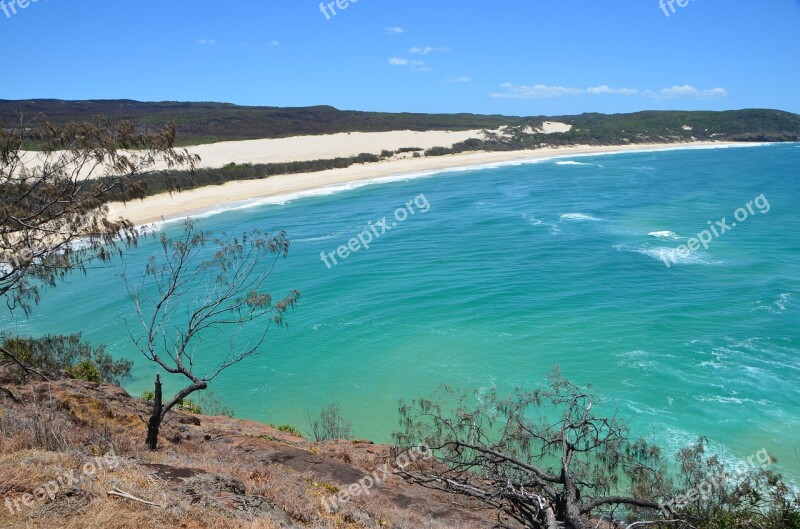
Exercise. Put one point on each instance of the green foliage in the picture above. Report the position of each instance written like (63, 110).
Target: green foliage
(85, 370)
(494, 446)
(212, 405)
(751, 495)
(440, 151)
(148, 395)
(176, 181)
(638, 127)
(328, 488)
(56, 353)
(529, 427)
(329, 425)
(189, 406)
(288, 428)
(47, 207)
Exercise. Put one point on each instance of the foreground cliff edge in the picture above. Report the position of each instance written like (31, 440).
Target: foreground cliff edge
(73, 456)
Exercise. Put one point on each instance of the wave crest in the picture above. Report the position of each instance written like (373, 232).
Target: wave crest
(570, 162)
(664, 235)
(579, 217)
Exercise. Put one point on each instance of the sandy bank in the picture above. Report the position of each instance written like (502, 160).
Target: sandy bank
(196, 201)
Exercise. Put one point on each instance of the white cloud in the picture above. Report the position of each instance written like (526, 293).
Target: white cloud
(417, 66)
(394, 30)
(274, 43)
(542, 91)
(605, 89)
(686, 91)
(402, 61)
(537, 91)
(203, 42)
(462, 79)
(428, 49)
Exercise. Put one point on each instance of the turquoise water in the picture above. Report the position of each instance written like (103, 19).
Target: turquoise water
(511, 271)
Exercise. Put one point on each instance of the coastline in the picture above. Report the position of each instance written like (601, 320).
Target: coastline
(247, 193)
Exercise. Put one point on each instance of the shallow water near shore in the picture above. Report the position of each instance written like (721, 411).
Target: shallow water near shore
(515, 269)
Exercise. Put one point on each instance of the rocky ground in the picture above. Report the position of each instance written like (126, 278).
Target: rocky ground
(56, 471)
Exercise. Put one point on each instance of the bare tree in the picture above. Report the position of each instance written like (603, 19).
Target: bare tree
(543, 459)
(201, 285)
(54, 182)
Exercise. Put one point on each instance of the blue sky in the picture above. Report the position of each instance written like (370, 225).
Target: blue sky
(520, 57)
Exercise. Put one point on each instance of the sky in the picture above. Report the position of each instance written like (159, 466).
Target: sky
(512, 57)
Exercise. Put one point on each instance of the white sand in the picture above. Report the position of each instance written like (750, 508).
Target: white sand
(294, 149)
(306, 148)
(169, 206)
(549, 127)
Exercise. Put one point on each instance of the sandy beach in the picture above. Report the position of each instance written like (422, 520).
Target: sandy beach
(197, 201)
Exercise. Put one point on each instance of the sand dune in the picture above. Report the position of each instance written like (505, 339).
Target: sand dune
(305, 148)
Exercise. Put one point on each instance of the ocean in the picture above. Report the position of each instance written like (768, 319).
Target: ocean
(496, 274)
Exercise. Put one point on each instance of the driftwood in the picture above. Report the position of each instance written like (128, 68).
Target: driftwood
(116, 491)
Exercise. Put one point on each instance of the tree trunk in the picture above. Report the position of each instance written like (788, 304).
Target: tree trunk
(154, 425)
(574, 518)
(550, 516)
(572, 507)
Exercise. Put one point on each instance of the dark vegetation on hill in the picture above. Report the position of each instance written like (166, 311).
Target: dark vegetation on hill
(643, 127)
(211, 122)
(176, 181)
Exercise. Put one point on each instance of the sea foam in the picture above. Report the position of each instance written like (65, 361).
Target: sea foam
(664, 235)
(579, 217)
(570, 162)
(669, 255)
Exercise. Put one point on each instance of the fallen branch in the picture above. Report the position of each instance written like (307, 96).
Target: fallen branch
(122, 494)
(25, 368)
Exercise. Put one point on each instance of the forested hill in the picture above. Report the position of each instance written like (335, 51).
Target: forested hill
(211, 122)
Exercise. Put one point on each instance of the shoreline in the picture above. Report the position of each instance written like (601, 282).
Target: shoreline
(278, 189)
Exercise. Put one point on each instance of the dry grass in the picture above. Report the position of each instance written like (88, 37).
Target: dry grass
(234, 474)
(86, 504)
